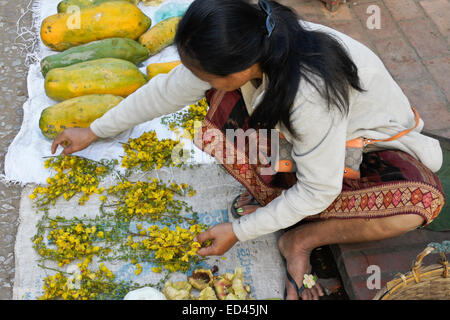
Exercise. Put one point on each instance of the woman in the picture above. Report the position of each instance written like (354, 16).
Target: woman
(262, 68)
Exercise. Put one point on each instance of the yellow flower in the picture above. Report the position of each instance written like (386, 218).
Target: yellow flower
(157, 269)
(79, 228)
(138, 269)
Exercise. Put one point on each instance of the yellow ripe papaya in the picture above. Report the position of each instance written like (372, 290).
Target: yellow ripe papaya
(77, 112)
(101, 76)
(164, 67)
(152, 3)
(65, 5)
(160, 36)
(119, 19)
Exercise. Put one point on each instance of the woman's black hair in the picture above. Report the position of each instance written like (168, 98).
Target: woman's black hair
(228, 36)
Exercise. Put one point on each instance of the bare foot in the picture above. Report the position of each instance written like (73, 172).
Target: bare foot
(244, 198)
(243, 207)
(297, 264)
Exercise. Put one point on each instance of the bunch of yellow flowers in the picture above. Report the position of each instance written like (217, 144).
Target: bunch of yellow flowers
(175, 250)
(187, 118)
(153, 199)
(83, 285)
(66, 241)
(148, 153)
(71, 242)
(182, 189)
(73, 175)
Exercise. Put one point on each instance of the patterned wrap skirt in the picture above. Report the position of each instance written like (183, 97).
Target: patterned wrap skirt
(392, 182)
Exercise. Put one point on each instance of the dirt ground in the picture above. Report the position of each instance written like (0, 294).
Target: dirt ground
(13, 93)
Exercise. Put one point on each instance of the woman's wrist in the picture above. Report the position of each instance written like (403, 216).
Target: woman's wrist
(237, 230)
(92, 135)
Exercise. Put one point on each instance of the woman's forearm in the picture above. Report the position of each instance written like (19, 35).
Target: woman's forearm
(163, 94)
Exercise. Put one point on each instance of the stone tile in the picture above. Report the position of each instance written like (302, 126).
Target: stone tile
(303, 7)
(403, 9)
(440, 70)
(424, 38)
(353, 29)
(445, 132)
(309, 10)
(389, 262)
(439, 12)
(352, 3)
(400, 59)
(387, 29)
(430, 102)
(362, 292)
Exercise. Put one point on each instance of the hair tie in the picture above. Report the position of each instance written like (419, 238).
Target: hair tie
(270, 22)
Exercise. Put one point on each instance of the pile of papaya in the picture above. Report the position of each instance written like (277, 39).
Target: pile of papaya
(100, 44)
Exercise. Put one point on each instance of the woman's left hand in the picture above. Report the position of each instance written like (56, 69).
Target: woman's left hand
(222, 236)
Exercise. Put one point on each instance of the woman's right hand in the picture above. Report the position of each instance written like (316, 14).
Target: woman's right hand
(74, 139)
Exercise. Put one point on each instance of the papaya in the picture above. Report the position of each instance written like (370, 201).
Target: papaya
(77, 112)
(152, 3)
(164, 67)
(160, 36)
(120, 48)
(101, 76)
(64, 5)
(112, 19)
(201, 278)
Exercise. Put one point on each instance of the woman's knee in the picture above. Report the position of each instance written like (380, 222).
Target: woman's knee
(406, 222)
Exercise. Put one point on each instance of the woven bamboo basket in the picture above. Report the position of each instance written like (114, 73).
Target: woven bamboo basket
(421, 283)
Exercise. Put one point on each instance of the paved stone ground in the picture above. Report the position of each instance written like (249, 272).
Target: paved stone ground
(413, 42)
(391, 256)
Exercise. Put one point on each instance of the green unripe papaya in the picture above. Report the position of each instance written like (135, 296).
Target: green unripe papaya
(120, 48)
